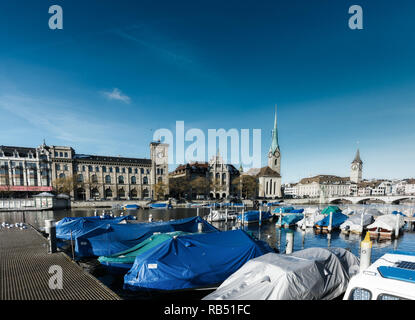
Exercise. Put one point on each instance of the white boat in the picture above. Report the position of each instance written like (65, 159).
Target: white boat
(384, 226)
(357, 223)
(309, 274)
(391, 277)
(311, 216)
(220, 215)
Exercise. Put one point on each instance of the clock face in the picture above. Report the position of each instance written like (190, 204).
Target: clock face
(160, 154)
(277, 154)
(354, 167)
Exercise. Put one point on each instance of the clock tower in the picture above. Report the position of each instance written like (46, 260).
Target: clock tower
(274, 154)
(159, 154)
(356, 169)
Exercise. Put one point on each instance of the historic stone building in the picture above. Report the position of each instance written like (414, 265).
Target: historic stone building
(222, 174)
(96, 177)
(269, 177)
(219, 174)
(25, 170)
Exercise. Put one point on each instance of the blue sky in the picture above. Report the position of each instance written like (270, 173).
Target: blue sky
(119, 70)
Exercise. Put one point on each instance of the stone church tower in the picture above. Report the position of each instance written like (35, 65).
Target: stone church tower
(356, 169)
(269, 177)
(274, 154)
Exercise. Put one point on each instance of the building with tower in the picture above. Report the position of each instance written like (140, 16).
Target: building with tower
(356, 169)
(28, 171)
(269, 177)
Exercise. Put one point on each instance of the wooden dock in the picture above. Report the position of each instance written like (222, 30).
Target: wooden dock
(25, 266)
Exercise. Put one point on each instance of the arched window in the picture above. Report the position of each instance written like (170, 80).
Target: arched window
(95, 193)
(120, 180)
(145, 193)
(80, 178)
(145, 180)
(94, 178)
(121, 193)
(133, 180)
(107, 179)
(133, 193)
(108, 193)
(61, 176)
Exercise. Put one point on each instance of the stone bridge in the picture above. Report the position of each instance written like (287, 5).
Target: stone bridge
(364, 199)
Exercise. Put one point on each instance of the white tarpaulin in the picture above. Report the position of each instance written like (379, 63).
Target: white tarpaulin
(388, 222)
(310, 274)
(354, 222)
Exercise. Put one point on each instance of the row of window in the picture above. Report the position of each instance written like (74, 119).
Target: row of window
(108, 179)
(117, 169)
(61, 154)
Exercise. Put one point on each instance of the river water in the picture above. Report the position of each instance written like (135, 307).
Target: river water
(267, 232)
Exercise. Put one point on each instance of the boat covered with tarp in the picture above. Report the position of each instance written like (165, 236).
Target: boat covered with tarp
(122, 261)
(130, 207)
(109, 239)
(253, 216)
(221, 215)
(160, 206)
(311, 216)
(309, 274)
(337, 219)
(202, 260)
(357, 223)
(384, 226)
(290, 219)
(330, 209)
(283, 210)
(75, 226)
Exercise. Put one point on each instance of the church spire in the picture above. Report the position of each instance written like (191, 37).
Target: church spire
(357, 157)
(274, 143)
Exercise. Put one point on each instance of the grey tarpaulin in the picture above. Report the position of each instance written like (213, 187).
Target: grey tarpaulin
(313, 273)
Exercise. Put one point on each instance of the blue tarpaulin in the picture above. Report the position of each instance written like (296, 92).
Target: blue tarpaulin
(193, 261)
(80, 225)
(253, 215)
(291, 219)
(338, 219)
(109, 239)
(283, 210)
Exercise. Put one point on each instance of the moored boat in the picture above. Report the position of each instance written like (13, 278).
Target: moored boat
(193, 261)
(391, 277)
(357, 223)
(337, 219)
(290, 220)
(160, 206)
(221, 215)
(301, 275)
(131, 207)
(253, 216)
(384, 226)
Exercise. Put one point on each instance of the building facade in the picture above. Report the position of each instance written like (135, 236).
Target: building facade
(30, 170)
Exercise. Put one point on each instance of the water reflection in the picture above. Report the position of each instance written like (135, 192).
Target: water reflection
(275, 237)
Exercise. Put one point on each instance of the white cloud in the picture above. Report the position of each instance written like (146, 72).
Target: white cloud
(116, 94)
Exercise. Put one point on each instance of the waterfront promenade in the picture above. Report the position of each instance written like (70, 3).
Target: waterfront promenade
(25, 266)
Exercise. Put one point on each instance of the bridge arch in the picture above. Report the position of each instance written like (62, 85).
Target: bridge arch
(340, 201)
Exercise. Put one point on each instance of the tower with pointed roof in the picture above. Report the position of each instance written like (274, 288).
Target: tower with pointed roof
(274, 153)
(356, 169)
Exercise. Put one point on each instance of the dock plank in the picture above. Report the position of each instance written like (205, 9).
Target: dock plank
(24, 271)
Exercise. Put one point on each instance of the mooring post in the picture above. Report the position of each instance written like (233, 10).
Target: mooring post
(197, 211)
(95, 212)
(50, 229)
(330, 221)
(361, 223)
(150, 218)
(290, 242)
(73, 253)
(243, 217)
(328, 240)
(200, 227)
(260, 216)
(365, 252)
(397, 226)
(226, 215)
(210, 214)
